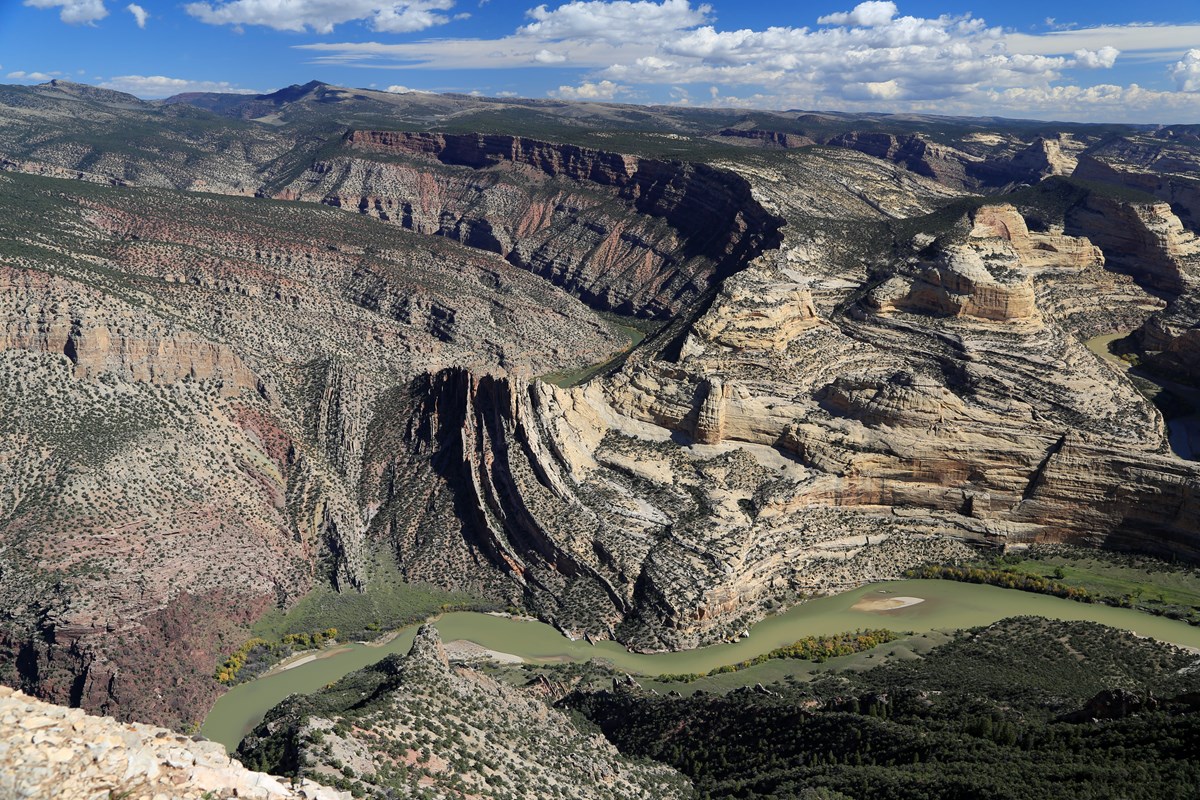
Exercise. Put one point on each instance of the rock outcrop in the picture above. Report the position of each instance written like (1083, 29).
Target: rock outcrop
(634, 235)
(769, 449)
(416, 724)
(963, 285)
(757, 312)
(45, 314)
(966, 165)
(1162, 164)
(945, 164)
(1145, 239)
(51, 751)
(205, 414)
(768, 138)
(1034, 250)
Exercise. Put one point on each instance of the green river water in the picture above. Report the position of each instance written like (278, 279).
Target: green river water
(947, 605)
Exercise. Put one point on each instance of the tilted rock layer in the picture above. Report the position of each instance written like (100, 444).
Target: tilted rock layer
(189, 393)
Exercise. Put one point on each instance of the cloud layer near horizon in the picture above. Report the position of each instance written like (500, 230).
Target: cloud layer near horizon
(868, 57)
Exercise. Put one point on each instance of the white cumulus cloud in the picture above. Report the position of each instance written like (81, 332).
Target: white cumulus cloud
(1103, 58)
(869, 57)
(139, 14)
(602, 90)
(388, 16)
(22, 75)
(155, 86)
(1103, 101)
(617, 21)
(74, 12)
(867, 14)
(1186, 72)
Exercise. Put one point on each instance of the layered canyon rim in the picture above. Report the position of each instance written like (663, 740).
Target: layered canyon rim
(253, 347)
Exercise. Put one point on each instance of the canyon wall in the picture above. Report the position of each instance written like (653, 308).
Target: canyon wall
(638, 236)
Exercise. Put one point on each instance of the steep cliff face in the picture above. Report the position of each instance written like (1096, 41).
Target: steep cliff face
(991, 274)
(205, 414)
(1147, 240)
(768, 138)
(1000, 229)
(963, 285)
(45, 314)
(1171, 337)
(984, 170)
(1144, 166)
(638, 236)
(609, 528)
(1047, 156)
(487, 445)
(190, 391)
(943, 163)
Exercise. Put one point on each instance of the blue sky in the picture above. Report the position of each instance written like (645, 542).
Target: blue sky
(1102, 60)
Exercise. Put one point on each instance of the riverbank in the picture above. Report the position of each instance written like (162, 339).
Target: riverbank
(946, 605)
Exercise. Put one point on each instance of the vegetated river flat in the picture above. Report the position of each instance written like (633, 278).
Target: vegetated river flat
(946, 605)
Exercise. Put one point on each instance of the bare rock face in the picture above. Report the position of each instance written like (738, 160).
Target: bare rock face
(710, 418)
(427, 647)
(963, 285)
(1162, 164)
(1171, 338)
(768, 138)
(757, 312)
(946, 165)
(766, 449)
(52, 751)
(1046, 156)
(1145, 239)
(204, 415)
(1040, 250)
(44, 314)
(638, 236)
(991, 275)
(980, 162)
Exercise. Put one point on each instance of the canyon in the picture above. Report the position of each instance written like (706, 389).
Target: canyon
(240, 360)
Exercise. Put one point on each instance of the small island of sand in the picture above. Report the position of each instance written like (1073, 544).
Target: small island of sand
(885, 603)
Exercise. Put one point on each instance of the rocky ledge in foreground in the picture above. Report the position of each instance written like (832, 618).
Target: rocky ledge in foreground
(54, 751)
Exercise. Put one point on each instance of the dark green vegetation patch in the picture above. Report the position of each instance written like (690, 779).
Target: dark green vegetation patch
(1024, 708)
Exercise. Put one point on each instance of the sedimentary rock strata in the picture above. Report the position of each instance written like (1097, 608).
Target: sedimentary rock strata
(768, 138)
(767, 449)
(639, 236)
